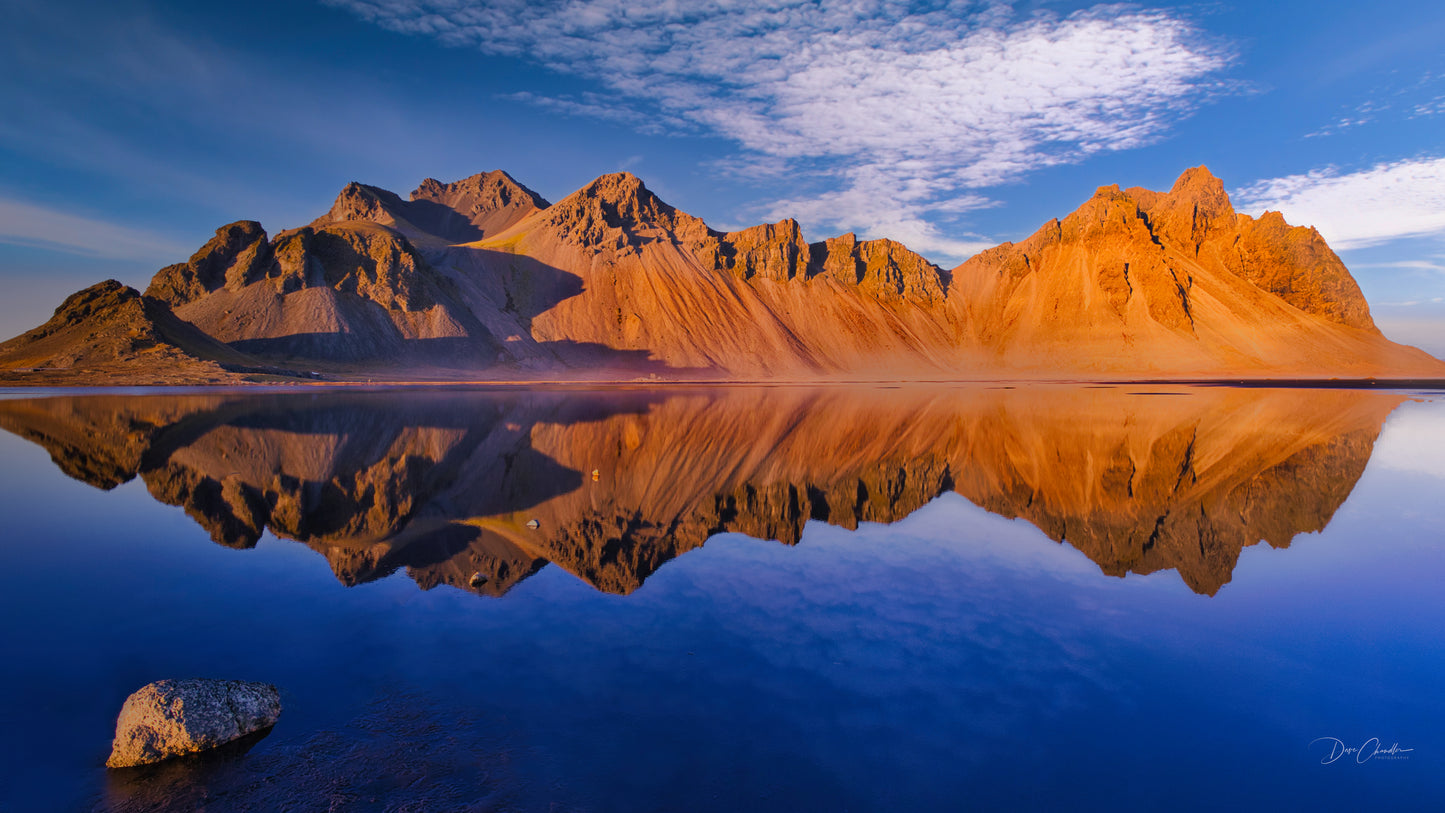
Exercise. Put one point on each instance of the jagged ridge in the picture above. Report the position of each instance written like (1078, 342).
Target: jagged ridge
(482, 277)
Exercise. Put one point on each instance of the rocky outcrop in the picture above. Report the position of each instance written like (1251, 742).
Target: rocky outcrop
(1295, 264)
(775, 251)
(171, 718)
(882, 268)
(616, 214)
(238, 255)
(473, 208)
(354, 292)
(459, 212)
(1291, 262)
(1170, 285)
(110, 331)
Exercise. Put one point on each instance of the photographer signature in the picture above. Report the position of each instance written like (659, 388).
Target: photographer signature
(1371, 749)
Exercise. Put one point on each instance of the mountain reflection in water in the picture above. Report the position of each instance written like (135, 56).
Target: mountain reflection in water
(445, 483)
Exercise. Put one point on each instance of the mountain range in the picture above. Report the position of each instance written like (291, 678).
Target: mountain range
(483, 279)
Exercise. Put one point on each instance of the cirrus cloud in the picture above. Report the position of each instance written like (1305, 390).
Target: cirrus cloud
(887, 112)
(24, 223)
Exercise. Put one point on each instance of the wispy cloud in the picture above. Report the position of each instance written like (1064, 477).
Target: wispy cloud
(1437, 265)
(29, 224)
(907, 108)
(1413, 303)
(1390, 103)
(1359, 209)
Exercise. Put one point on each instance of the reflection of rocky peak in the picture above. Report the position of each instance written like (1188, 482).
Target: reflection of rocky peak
(1181, 486)
(448, 485)
(98, 442)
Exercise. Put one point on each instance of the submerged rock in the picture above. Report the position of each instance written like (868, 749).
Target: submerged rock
(171, 718)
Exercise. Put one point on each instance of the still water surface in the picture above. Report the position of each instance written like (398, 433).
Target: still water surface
(1046, 597)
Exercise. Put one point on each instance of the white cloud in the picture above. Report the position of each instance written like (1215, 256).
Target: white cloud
(1359, 209)
(1413, 440)
(28, 224)
(878, 207)
(1437, 265)
(906, 107)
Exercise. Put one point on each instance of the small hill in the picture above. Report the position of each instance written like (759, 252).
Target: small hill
(111, 332)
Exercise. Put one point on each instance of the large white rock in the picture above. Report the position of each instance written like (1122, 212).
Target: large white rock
(169, 718)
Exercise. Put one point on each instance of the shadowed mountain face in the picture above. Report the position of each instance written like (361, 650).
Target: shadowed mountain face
(611, 485)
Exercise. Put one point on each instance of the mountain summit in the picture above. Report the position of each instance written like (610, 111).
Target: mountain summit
(484, 279)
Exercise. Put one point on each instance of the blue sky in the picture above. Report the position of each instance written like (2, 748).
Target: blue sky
(133, 129)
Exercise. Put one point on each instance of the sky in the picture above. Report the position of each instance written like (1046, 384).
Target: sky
(132, 129)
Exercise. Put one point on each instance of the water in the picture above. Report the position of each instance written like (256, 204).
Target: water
(1044, 597)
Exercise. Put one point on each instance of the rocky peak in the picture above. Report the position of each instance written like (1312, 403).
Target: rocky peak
(883, 267)
(626, 199)
(1199, 185)
(773, 251)
(617, 212)
(1197, 218)
(1295, 264)
(1110, 237)
(485, 191)
(238, 255)
(359, 258)
(460, 212)
(472, 208)
(1196, 208)
(358, 201)
(105, 297)
(1111, 215)
(112, 326)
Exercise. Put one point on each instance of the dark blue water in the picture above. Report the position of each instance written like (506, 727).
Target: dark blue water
(954, 659)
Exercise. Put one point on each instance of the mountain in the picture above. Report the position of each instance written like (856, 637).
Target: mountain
(1175, 284)
(110, 332)
(484, 279)
(446, 484)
